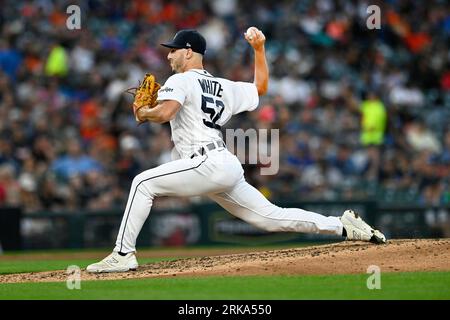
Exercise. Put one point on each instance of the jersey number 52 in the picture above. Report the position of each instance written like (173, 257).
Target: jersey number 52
(214, 109)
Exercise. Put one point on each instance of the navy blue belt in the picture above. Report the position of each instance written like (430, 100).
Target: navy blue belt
(209, 147)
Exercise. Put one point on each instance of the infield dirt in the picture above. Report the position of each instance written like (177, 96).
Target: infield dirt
(339, 258)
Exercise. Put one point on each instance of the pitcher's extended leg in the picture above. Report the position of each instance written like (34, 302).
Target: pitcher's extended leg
(176, 178)
(248, 204)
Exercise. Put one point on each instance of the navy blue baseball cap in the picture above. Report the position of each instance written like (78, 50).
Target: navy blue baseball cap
(188, 39)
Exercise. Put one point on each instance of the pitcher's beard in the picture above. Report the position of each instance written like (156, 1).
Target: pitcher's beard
(175, 67)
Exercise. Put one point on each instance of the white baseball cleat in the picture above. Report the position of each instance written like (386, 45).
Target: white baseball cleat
(357, 229)
(115, 263)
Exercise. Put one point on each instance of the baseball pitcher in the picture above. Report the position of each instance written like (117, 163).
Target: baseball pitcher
(197, 104)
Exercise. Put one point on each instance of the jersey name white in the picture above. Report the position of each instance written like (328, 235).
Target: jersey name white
(207, 104)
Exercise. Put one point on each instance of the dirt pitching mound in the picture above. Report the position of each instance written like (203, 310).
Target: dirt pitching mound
(338, 258)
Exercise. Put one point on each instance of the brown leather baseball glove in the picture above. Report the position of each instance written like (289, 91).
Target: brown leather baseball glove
(145, 95)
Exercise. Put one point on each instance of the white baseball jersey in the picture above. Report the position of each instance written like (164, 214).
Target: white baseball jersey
(207, 104)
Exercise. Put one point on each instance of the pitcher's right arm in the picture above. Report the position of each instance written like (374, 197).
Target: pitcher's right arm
(257, 39)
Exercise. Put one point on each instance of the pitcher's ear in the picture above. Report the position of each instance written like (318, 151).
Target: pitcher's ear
(189, 53)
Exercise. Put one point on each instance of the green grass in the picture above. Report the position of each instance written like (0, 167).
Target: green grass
(20, 266)
(425, 285)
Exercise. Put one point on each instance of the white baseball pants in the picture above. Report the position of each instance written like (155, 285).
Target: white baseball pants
(219, 175)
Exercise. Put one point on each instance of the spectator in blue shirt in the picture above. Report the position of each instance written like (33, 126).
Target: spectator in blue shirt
(75, 162)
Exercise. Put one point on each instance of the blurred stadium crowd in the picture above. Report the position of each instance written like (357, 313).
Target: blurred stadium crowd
(362, 113)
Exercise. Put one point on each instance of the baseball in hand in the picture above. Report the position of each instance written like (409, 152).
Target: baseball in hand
(251, 33)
